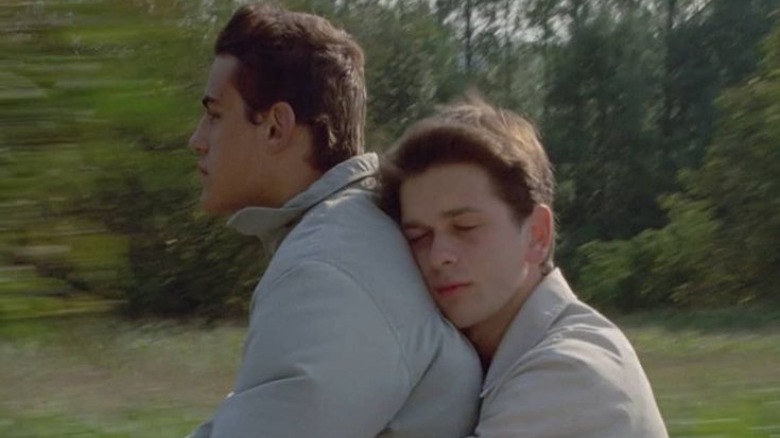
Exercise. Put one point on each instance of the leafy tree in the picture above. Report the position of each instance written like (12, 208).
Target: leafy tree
(707, 49)
(497, 51)
(719, 247)
(740, 176)
(410, 64)
(598, 132)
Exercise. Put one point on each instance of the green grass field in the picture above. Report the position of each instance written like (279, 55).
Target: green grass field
(93, 376)
(714, 375)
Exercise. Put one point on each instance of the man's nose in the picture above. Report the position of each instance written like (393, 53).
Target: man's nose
(198, 141)
(442, 252)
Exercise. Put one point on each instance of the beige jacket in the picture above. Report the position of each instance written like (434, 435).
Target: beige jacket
(564, 370)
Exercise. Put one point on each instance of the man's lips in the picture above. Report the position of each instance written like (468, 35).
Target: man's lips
(202, 170)
(450, 288)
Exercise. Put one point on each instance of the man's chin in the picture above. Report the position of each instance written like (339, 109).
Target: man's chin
(210, 206)
(214, 207)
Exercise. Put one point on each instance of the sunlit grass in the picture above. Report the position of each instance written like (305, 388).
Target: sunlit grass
(103, 377)
(716, 373)
(107, 377)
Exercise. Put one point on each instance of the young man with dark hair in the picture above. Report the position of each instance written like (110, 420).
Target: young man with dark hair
(343, 339)
(473, 190)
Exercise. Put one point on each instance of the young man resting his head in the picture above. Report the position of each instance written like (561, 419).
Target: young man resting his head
(472, 189)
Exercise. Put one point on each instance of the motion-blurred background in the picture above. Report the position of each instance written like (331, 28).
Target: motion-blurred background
(661, 116)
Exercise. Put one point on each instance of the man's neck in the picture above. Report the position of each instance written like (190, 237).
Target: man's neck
(296, 181)
(487, 336)
(296, 170)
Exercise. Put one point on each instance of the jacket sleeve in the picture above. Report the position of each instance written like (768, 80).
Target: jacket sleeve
(320, 360)
(203, 431)
(569, 391)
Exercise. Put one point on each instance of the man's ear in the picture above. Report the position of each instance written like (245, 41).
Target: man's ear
(540, 224)
(279, 125)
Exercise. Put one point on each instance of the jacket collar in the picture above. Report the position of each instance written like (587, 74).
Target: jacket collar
(529, 326)
(271, 225)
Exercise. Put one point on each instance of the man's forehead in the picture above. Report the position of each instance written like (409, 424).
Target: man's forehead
(445, 193)
(412, 217)
(220, 77)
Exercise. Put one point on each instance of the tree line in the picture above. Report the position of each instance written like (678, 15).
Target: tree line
(661, 117)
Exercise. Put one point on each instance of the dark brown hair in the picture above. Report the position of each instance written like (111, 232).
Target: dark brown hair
(303, 60)
(501, 142)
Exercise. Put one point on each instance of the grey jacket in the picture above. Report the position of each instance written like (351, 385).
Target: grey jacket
(564, 370)
(343, 339)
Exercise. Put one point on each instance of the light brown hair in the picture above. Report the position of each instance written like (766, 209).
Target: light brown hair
(303, 60)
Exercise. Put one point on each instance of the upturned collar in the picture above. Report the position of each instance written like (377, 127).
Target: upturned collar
(271, 225)
(529, 326)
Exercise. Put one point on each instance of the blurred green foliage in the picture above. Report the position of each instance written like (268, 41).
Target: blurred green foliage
(719, 246)
(660, 115)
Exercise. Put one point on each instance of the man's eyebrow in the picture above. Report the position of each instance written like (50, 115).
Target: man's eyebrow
(455, 212)
(411, 224)
(208, 100)
(459, 211)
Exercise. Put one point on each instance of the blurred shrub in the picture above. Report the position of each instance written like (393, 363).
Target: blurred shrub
(720, 245)
(682, 265)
